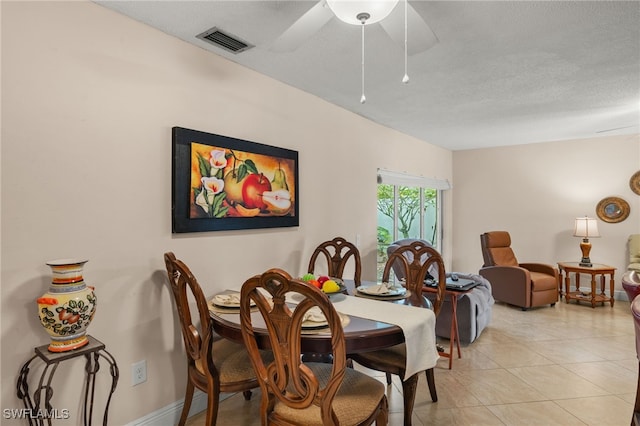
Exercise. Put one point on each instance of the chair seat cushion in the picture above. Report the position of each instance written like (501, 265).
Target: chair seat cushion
(232, 361)
(395, 357)
(543, 282)
(358, 397)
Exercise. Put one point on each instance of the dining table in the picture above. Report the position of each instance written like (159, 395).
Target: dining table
(372, 323)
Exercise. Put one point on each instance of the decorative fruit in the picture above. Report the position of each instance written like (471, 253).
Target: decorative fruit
(233, 187)
(232, 211)
(315, 283)
(247, 212)
(279, 180)
(323, 278)
(330, 286)
(307, 277)
(252, 190)
(278, 202)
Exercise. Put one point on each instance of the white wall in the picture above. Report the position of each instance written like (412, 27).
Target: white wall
(88, 101)
(536, 191)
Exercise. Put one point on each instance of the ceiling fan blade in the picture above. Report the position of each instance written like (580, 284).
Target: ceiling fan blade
(301, 30)
(419, 38)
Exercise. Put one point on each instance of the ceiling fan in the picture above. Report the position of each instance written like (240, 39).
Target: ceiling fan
(361, 12)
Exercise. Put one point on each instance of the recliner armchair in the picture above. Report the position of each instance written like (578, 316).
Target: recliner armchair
(521, 284)
(634, 252)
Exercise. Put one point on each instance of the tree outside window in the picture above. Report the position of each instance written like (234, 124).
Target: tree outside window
(405, 212)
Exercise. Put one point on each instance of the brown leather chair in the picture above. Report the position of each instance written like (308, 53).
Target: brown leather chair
(296, 392)
(214, 365)
(412, 262)
(337, 252)
(521, 284)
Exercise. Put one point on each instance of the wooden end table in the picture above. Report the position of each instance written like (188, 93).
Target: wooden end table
(454, 339)
(593, 296)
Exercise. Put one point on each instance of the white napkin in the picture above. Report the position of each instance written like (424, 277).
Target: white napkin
(314, 315)
(232, 299)
(377, 289)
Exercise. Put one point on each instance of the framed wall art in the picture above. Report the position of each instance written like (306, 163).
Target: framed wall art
(634, 182)
(220, 183)
(612, 209)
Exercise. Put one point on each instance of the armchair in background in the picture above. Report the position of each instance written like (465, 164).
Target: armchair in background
(521, 284)
(634, 252)
(635, 310)
(631, 285)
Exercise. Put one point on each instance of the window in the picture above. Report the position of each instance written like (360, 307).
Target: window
(408, 207)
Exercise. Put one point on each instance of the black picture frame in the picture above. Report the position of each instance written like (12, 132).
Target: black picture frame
(197, 207)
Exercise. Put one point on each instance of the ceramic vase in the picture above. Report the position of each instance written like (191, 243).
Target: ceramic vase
(68, 307)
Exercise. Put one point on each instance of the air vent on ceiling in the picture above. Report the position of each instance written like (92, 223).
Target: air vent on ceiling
(224, 40)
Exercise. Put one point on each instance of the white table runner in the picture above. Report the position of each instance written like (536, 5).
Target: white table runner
(417, 324)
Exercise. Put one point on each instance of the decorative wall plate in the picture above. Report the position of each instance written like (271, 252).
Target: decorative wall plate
(634, 182)
(612, 209)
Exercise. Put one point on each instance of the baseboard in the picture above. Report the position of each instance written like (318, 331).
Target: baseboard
(170, 414)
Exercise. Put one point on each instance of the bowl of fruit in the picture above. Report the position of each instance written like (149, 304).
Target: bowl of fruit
(328, 285)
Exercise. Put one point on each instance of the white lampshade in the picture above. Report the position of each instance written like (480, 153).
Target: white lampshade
(348, 10)
(586, 227)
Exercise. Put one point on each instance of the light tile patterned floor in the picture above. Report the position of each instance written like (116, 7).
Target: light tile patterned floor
(566, 365)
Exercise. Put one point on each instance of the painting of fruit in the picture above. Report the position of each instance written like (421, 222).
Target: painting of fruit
(230, 183)
(254, 189)
(237, 184)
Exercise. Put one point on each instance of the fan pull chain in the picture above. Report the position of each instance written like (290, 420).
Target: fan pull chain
(363, 98)
(405, 79)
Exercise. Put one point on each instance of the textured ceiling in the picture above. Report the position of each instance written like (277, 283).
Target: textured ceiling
(502, 72)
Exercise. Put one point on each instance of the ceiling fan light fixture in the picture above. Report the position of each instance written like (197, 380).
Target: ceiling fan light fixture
(349, 10)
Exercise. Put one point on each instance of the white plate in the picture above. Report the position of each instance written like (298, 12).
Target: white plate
(374, 291)
(318, 324)
(229, 300)
(312, 325)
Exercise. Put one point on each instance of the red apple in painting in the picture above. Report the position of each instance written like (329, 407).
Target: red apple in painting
(253, 188)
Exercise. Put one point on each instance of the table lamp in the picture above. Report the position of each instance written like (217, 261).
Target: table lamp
(586, 228)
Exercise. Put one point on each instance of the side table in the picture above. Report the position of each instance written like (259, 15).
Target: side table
(454, 340)
(39, 409)
(593, 296)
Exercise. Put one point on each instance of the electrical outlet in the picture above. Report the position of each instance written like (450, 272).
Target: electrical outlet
(138, 372)
(358, 240)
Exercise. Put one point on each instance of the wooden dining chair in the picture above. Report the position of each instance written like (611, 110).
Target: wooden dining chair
(214, 365)
(416, 260)
(295, 392)
(337, 253)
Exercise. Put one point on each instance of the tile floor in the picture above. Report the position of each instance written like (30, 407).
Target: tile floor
(566, 365)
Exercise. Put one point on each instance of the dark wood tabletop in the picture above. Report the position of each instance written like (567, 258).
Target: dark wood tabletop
(361, 335)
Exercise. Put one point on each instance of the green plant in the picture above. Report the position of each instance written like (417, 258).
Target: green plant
(408, 209)
(384, 236)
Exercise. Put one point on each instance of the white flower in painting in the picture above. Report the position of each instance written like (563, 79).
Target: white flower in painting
(218, 160)
(212, 186)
